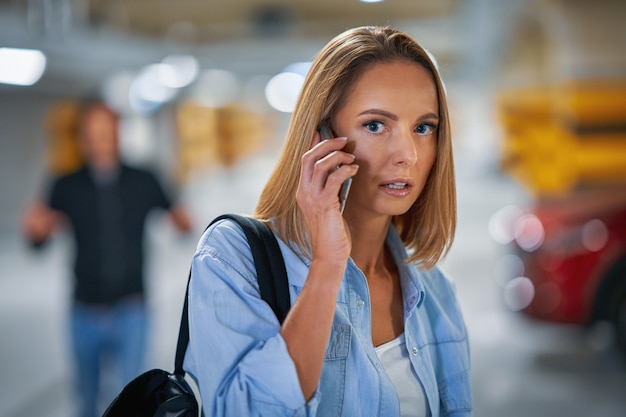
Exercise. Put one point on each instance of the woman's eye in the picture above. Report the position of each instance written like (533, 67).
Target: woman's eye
(425, 129)
(374, 126)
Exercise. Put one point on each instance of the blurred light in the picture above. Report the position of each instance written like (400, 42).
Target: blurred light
(147, 93)
(595, 234)
(529, 232)
(519, 293)
(371, 1)
(508, 267)
(215, 88)
(282, 91)
(149, 85)
(502, 222)
(21, 66)
(178, 71)
(301, 68)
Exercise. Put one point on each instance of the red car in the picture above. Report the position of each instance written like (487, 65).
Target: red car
(573, 252)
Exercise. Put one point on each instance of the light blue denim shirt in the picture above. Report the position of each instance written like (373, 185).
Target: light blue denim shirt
(240, 362)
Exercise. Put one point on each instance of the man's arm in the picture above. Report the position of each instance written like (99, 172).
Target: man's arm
(181, 218)
(39, 222)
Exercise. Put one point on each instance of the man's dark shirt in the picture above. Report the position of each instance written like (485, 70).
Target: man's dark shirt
(108, 221)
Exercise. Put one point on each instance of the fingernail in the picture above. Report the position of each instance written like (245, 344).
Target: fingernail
(342, 138)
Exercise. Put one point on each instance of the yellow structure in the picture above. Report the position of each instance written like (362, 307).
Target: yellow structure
(63, 153)
(206, 136)
(210, 136)
(559, 138)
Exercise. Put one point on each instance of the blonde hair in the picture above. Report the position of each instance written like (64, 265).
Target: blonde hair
(427, 228)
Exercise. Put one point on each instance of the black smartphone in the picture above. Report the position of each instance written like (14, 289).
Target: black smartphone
(326, 133)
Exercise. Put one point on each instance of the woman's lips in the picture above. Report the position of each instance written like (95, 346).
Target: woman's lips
(397, 185)
(397, 188)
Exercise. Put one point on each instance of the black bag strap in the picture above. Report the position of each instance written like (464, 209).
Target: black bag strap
(271, 275)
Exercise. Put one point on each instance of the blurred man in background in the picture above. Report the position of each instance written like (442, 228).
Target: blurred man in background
(106, 203)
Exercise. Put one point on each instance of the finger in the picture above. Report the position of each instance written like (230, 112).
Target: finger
(332, 161)
(336, 178)
(326, 182)
(328, 175)
(307, 160)
(319, 151)
(326, 197)
(326, 166)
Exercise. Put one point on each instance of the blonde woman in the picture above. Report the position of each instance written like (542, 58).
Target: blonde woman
(374, 328)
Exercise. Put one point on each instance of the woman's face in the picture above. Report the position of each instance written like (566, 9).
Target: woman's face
(390, 117)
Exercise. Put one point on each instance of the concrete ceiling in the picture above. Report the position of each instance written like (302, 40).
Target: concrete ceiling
(87, 41)
(207, 20)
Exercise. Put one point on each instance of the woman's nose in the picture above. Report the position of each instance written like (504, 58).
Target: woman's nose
(404, 149)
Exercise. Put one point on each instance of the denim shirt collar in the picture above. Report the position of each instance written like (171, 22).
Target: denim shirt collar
(412, 287)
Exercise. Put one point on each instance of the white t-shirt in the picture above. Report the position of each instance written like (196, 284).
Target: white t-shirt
(395, 359)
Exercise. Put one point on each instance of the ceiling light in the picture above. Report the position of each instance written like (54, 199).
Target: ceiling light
(147, 93)
(179, 70)
(21, 66)
(301, 68)
(150, 84)
(282, 91)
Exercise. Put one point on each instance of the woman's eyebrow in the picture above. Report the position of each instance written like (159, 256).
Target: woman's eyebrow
(378, 112)
(429, 115)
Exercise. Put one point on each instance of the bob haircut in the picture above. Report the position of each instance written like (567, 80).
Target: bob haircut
(427, 228)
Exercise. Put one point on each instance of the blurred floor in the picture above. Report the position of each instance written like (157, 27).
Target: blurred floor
(520, 367)
(523, 367)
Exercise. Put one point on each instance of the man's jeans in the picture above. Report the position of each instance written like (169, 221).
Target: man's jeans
(107, 339)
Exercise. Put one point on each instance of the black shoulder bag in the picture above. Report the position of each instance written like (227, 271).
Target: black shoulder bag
(158, 393)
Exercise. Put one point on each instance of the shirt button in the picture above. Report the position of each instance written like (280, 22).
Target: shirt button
(414, 350)
(360, 302)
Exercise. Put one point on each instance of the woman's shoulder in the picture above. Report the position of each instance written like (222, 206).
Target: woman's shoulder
(437, 283)
(224, 245)
(220, 233)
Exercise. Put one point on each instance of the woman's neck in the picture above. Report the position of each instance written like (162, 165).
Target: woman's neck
(368, 244)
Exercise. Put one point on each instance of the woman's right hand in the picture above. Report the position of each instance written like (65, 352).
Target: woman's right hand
(324, 169)
(308, 325)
